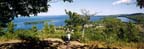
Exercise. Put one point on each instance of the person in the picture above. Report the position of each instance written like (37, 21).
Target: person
(68, 35)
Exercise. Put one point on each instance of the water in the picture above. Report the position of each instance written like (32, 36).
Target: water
(124, 19)
(56, 20)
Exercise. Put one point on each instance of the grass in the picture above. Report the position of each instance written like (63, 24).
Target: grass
(116, 44)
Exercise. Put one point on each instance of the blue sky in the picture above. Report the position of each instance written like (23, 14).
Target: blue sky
(102, 7)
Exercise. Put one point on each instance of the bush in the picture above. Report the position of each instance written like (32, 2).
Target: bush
(10, 27)
(28, 37)
(76, 36)
(8, 36)
(34, 28)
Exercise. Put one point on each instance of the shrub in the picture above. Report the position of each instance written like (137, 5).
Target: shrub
(46, 28)
(76, 36)
(28, 37)
(52, 28)
(8, 36)
(10, 27)
(34, 28)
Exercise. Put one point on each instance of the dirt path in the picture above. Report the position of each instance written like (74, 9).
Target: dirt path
(11, 41)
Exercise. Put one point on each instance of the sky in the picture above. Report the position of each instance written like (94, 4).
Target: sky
(100, 7)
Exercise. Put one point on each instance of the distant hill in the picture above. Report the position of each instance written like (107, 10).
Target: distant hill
(134, 14)
(138, 17)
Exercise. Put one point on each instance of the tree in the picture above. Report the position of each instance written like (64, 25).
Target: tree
(34, 28)
(46, 28)
(9, 9)
(140, 3)
(10, 27)
(52, 28)
(132, 33)
(76, 19)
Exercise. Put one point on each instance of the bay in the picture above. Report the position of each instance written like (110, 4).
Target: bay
(55, 20)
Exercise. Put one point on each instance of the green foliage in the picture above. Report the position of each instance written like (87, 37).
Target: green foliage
(119, 30)
(10, 27)
(11, 36)
(111, 29)
(108, 29)
(1, 31)
(46, 28)
(138, 18)
(28, 37)
(140, 3)
(34, 28)
(132, 33)
(12, 8)
(76, 19)
(76, 36)
(52, 28)
(112, 26)
(8, 36)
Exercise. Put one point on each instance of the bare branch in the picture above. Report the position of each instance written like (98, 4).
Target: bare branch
(87, 12)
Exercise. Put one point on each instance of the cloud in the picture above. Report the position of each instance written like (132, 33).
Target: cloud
(122, 1)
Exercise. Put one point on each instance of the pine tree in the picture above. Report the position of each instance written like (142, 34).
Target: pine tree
(34, 28)
(52, 29)
(10, 27)
(46, 28)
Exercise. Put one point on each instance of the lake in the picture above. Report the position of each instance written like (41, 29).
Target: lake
(55, 20)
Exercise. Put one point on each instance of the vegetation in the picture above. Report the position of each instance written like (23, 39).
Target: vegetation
(10, 28)
(34, 28)
(140, 3)
(75, 19)
(46, 28)
(109, 29)
(37, 22)
(139, 18)
(13, 8)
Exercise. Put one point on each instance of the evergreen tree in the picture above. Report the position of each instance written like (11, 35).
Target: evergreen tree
(52, 28)
(34, 28)
(10, 27)
(46, 28)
